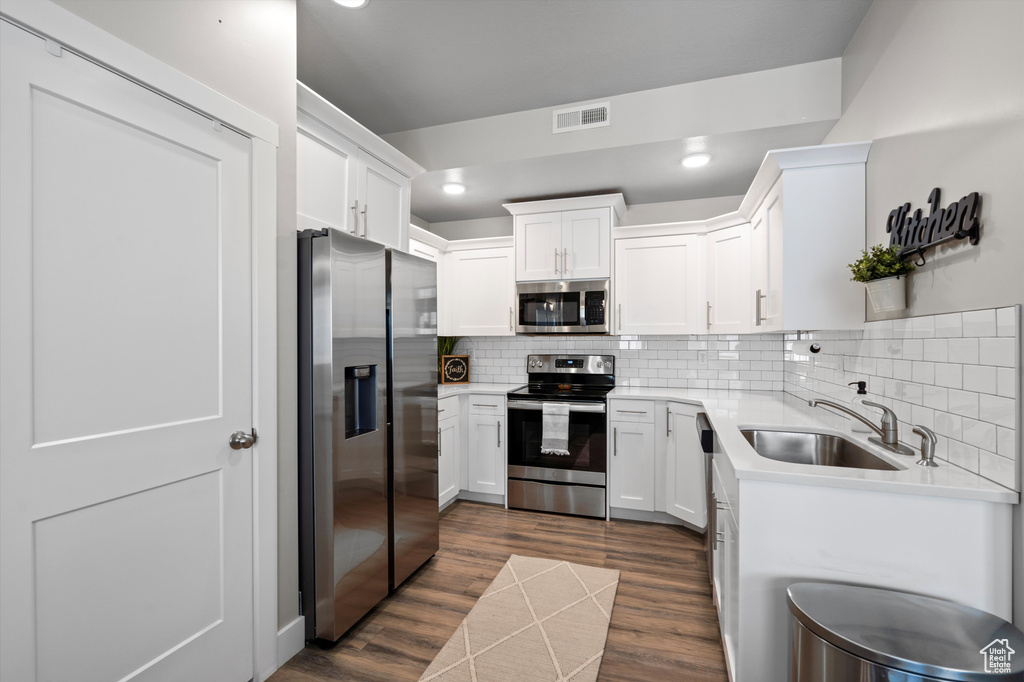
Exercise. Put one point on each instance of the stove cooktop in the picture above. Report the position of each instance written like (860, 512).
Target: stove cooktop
(555, 392)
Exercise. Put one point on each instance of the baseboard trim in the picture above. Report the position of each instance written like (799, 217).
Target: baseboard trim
(290, 640)
(489, 498)
(650, 517)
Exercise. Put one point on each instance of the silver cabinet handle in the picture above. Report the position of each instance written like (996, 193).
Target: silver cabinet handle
(355, 218)
(620, 317)
(719, 538)
(439, 442)
(668, 421)
(709, 315)
(631, 411)
(759, 315)
(565, 260)
(364, 220)
(499, 433)
(615, 442)
(510, 318)
(483, 405)
(240, 440)
(556, 260)
(440, 411)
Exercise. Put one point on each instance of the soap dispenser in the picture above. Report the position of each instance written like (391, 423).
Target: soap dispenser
(862, 390)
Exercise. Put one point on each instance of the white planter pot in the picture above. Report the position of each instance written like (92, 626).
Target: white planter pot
(887, 294)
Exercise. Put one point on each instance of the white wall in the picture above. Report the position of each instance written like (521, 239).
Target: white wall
(939, 87)
(245, 51)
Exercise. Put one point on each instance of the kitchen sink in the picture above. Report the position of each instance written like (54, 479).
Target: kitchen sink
(805, 447)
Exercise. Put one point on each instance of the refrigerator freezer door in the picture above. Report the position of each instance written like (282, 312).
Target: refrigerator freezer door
(343, 456)
(412, 375)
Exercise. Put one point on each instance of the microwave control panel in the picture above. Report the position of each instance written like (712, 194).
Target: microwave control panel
(594, 308)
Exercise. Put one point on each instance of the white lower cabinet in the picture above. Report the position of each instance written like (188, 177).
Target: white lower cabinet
(726, 571)
(486, 471)
(448, 440)
(685, 479)
(631, 471)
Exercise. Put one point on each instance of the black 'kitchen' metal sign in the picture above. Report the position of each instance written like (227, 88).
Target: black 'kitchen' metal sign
(917, 232)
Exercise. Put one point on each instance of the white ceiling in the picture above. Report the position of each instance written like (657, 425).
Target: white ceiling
(403, 65)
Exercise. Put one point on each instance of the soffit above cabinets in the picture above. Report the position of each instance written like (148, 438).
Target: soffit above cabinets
(473, 103)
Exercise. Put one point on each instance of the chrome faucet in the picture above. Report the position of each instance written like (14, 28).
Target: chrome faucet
(888, 431)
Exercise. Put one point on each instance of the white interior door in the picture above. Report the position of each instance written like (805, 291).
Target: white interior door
(125, 365)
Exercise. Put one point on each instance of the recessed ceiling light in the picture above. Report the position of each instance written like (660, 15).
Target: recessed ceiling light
(453, 188)
(352, 4)
(696, 160)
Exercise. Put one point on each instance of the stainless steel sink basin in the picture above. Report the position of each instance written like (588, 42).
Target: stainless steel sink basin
(822, 449)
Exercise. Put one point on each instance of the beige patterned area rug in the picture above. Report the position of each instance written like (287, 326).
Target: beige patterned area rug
(540, 620)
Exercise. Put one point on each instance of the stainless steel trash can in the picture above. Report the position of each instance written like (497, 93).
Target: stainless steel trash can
(844, 633)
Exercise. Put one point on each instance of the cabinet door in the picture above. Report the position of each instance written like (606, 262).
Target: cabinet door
(447, 459)
(325, 177)
(657, 285)
(685, 480)
(418, 248)
(586, 244)
(729, 297)
(486, 454)
(482, 292)
(383, 195)
(773, 213)
(759, 268)
(730, 590)
(632, 466)
(538, 245)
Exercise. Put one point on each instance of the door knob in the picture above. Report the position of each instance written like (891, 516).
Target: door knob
(240, 440)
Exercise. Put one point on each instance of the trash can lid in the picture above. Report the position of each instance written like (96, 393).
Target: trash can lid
(910, 633)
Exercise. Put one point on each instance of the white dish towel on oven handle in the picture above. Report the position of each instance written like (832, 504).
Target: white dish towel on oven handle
(555, 429)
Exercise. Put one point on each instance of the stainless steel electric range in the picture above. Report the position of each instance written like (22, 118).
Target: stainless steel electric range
(568, 484)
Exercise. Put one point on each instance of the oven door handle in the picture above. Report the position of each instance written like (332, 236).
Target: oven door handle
(597, 408)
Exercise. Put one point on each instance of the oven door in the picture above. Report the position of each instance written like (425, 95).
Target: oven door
(587, 459)
(562, 307)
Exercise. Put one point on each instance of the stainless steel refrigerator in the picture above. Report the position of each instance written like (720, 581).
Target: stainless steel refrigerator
(367, 425)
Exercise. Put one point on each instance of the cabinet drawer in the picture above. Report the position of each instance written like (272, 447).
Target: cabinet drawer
(486, 404)
(631, 411)
(448, 407)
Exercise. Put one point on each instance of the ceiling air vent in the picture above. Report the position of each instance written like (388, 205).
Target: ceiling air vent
(578, 118)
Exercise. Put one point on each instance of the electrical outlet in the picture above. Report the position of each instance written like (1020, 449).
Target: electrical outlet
(702, 358)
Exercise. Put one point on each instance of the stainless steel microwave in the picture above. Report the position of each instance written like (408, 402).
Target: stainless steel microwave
(579, 307)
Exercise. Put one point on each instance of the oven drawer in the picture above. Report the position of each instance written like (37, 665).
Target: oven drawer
(482, 403)
(631, 411)
(553, 497)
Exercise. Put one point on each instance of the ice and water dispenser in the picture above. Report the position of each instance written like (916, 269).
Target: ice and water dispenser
(360, 400)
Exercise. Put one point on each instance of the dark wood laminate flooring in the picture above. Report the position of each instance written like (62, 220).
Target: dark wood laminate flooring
(663, 625)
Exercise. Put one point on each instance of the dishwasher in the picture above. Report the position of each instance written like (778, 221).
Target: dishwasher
(707, 444)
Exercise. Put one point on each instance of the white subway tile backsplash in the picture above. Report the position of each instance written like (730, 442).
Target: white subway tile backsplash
(1001, 352)
(979, 378)
(998, 469)
(958, 372)
(980, 323)
(963, 351)
(998, 410)
(1006, 322)
(950, 325)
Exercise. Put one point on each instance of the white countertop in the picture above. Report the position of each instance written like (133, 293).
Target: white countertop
(729, 411)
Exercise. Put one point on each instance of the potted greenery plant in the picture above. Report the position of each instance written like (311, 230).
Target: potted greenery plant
(445, 346)
(883, 271)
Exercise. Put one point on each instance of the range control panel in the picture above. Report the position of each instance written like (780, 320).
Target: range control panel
(571, 364)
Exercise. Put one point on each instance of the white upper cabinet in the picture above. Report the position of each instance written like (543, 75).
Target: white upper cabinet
(348, 178)
(325, 177)
(565, 239)
(729, 302)
(538, 241)
(807, 208)
(481, 292)
(658, 285)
